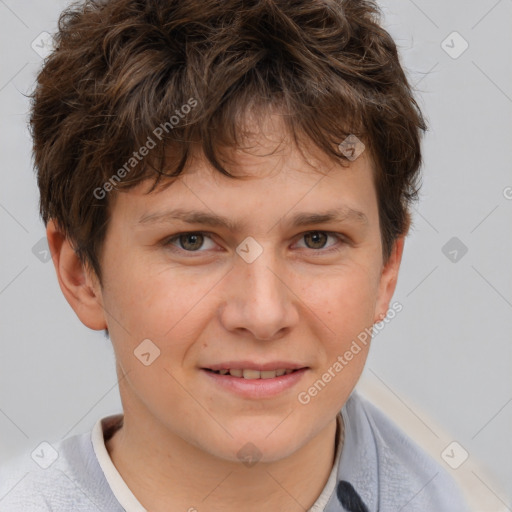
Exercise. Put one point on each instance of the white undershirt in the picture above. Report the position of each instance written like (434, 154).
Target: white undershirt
(119, 488)
(130, 503)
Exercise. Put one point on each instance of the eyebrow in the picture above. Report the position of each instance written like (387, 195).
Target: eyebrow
(342, 214)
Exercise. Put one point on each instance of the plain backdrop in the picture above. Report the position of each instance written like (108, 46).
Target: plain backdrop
(447, 356)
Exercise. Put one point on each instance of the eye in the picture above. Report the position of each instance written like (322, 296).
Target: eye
(194, 241)
(190, 242)
(318, 240)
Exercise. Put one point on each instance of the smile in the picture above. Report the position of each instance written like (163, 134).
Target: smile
(253, 374)
(249, 383)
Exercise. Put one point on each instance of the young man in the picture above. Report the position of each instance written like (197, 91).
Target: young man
(226, 188)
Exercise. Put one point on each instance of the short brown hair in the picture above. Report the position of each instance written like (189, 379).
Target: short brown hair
(123, 68)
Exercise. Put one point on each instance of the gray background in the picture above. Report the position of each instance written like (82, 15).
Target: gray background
(447, 356)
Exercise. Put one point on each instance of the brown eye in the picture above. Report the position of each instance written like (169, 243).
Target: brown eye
(191, 241)
(316, 239)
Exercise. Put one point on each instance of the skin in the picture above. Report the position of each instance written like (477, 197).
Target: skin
(298, 301)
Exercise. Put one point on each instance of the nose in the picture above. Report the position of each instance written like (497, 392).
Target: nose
(259, 301)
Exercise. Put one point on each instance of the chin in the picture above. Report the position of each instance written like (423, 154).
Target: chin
(249, 450)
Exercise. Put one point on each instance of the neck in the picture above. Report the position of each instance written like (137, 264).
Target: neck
(164, 472)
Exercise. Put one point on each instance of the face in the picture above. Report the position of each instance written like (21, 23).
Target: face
(230, 280)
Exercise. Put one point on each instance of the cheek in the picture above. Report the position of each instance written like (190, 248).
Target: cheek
(159, 304)
(165, 308)
(344, 299)
(342, 308)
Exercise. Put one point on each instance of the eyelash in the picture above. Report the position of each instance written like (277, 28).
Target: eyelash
(168, 241)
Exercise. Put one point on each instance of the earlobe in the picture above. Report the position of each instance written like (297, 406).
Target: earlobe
(388, 279)
(80, 286)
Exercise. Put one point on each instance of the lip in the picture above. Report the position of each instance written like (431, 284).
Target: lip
(252, 365)
(255, 388)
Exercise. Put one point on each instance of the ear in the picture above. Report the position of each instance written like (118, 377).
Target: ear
(388, 279)
(79, 285)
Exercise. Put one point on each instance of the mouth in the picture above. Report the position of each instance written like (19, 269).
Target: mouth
(248, 373)
(253, 381)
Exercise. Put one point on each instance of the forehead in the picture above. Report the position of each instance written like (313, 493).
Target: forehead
(272, 171)
(262, 145)
(289, 192)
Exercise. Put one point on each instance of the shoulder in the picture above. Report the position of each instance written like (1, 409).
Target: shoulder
(56, 477)
(390, 469)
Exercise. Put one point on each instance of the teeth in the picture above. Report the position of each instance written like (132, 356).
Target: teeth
(255, 374)
(252, 374)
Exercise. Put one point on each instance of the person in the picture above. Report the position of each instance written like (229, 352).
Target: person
(226, 188)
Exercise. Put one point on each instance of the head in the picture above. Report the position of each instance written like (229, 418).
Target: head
(240, 111)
